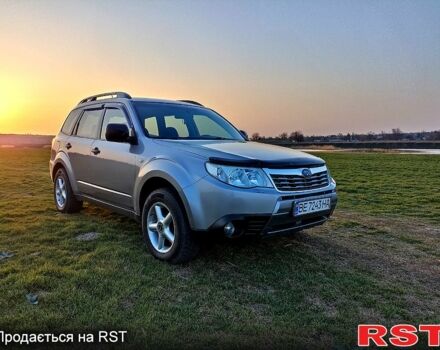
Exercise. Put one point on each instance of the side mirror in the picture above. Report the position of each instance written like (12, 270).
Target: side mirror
(244, 134)
(118, 133)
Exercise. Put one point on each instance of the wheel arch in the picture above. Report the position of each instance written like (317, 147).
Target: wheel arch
(161, 180)
(57, 167)
(62, 161)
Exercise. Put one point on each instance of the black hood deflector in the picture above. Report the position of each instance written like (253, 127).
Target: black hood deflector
(300, 162)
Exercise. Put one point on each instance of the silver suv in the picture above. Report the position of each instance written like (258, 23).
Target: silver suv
(181, 169)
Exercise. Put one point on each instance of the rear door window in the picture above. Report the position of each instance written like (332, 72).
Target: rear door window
(89, 123)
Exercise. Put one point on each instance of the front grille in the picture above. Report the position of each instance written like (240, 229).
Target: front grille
(285, 182)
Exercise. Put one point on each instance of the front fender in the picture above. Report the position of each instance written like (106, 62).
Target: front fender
(62, 158)
(170, 171)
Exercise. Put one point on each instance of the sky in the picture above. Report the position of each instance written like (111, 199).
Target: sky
(321, 67)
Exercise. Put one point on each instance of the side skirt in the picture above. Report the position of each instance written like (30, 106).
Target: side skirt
(120, 210)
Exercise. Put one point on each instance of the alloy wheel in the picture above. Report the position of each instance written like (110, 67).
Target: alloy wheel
(60, 192)
(160, 227)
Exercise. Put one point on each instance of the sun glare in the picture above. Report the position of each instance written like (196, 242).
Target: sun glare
(9, 98)
(12, 104)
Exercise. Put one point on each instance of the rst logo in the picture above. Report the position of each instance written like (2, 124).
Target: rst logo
(401, 335)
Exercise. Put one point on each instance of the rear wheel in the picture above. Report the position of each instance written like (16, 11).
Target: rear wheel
(65, 200)
(165, 228)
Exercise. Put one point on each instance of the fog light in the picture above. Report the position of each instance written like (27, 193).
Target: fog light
(229, 229)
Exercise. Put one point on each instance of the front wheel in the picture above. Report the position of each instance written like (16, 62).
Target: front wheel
(166, 230)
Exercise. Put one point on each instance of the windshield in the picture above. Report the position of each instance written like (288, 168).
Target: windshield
(170, 121)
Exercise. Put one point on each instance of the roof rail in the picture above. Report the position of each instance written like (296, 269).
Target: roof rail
(192, 102)
(116, 94)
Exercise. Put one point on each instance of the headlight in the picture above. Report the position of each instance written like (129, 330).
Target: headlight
(330, 178)
(239, 177)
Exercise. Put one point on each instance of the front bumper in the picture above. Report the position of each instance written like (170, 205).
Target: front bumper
(281, 221)
(265, 211)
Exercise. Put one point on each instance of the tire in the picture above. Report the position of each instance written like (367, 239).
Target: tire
(65, 200)
(167, 234)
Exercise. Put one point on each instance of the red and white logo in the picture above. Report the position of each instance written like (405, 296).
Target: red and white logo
(400, 335)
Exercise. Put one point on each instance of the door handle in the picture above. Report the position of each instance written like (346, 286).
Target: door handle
(68, 145)
(96, 151)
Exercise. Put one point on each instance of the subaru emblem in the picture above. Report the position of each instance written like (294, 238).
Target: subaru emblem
(306, 173)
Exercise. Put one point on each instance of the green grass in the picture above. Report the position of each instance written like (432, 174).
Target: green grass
(370, 264)
(387, 183)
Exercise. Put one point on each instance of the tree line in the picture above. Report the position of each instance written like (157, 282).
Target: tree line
(396, 134)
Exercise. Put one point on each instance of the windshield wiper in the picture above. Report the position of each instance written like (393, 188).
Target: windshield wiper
(216, 138)
(193, 138)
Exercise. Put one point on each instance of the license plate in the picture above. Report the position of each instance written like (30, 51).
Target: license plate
(311, 206)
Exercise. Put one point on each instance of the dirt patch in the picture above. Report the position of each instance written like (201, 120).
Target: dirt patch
(89, 236)
(328, 309)
(369, 315)
(259, 290)
(129, 302)
(183, 273)
(261, 312)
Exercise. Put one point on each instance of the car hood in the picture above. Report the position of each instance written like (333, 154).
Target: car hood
(245, 153)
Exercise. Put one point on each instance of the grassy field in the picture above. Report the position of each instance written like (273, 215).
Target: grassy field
(377, 261)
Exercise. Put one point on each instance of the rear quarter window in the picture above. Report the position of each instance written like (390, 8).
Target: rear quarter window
(70, 122)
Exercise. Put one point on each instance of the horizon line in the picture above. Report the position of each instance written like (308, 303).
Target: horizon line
(273, 136)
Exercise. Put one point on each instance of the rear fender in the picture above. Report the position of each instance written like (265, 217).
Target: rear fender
(63, 159)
